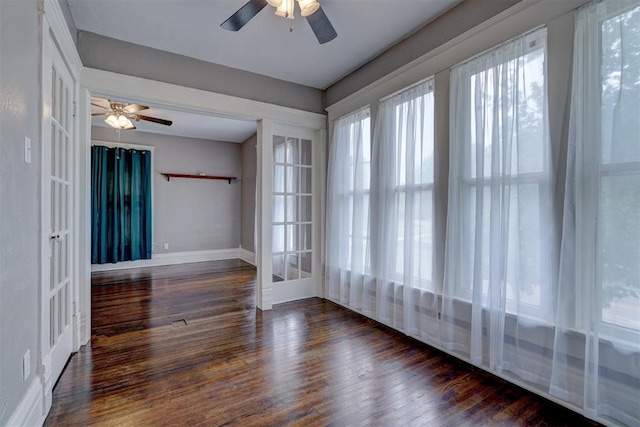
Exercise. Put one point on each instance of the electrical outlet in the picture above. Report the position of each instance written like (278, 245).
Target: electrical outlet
(26, 365)
(165, 246)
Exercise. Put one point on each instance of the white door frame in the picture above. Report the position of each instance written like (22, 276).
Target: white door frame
(108, 84)
(56, 36)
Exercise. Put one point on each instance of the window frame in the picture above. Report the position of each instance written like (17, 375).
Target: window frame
(347, 198)
(543, 179)
(399, 189)
(609, 330)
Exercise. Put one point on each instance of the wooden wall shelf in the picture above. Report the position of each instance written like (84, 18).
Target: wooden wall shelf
(186, 175)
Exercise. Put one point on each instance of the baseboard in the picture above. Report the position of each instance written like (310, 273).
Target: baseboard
(247, 255)
(29, 410)
(172, 258)
(292, 290)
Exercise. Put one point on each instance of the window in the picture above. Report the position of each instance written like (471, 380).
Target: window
(356, 197)
(618, 220)
(504, 177)
(406, 163)
(348, 193)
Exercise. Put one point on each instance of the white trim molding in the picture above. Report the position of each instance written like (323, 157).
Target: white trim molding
(172, 259)
(106, 83)
(247, 255)
(58, 26)
(29, 412)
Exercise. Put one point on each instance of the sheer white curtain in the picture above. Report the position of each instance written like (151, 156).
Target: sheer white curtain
(497, 295)
(402, 201)
(347, 260)
(596, 363)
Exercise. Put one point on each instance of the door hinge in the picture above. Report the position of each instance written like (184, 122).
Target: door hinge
(75, 108)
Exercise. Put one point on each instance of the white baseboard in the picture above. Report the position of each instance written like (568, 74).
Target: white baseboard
(29, 412)
(247, 255)
(173, 258)
(292, 290)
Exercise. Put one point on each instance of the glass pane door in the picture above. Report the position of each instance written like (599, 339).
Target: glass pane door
(292, 208)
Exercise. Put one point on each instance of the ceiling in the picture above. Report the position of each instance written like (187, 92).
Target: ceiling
(186, 124)
(264, 46)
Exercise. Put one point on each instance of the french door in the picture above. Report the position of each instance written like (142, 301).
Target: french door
(58, 92)
(288, 262)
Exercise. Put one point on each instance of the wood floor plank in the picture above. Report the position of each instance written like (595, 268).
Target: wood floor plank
(184, 345)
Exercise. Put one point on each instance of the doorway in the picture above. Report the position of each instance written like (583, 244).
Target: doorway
(110, 85)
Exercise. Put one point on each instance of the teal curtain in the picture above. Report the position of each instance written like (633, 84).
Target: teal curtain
(120, 204)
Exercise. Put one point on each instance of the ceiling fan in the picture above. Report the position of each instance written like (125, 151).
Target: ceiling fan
(310, 9)
(120, 115)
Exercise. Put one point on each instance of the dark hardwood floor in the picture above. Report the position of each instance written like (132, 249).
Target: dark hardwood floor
(185, 346)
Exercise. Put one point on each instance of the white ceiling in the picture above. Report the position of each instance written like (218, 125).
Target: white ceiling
(265, 46)
(187, 124)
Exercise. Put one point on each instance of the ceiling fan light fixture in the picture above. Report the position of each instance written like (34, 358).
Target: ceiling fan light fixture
(286, 9)
(119, 121)
(308, 7)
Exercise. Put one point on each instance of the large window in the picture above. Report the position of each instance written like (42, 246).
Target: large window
(597, 326)
(504, 179)
(349, 188)
(406, 162)
(348, 248)
(618, 220)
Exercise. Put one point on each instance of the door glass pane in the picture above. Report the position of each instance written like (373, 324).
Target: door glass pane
(305, 208)
(279, 149)
(292, 238)
(305, 180)
(292, 151)
(305, 236)
(292, 179)
(278, 208)
(291, 209)
(278, 179)
(278, 267)
(293, 272)
(305, 152)
(278, 238)
(305, 264)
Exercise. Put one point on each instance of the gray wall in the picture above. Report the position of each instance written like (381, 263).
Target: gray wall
(190, 214)
(19, 198)
(109, 54)
(249, 168)
(456, 21)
